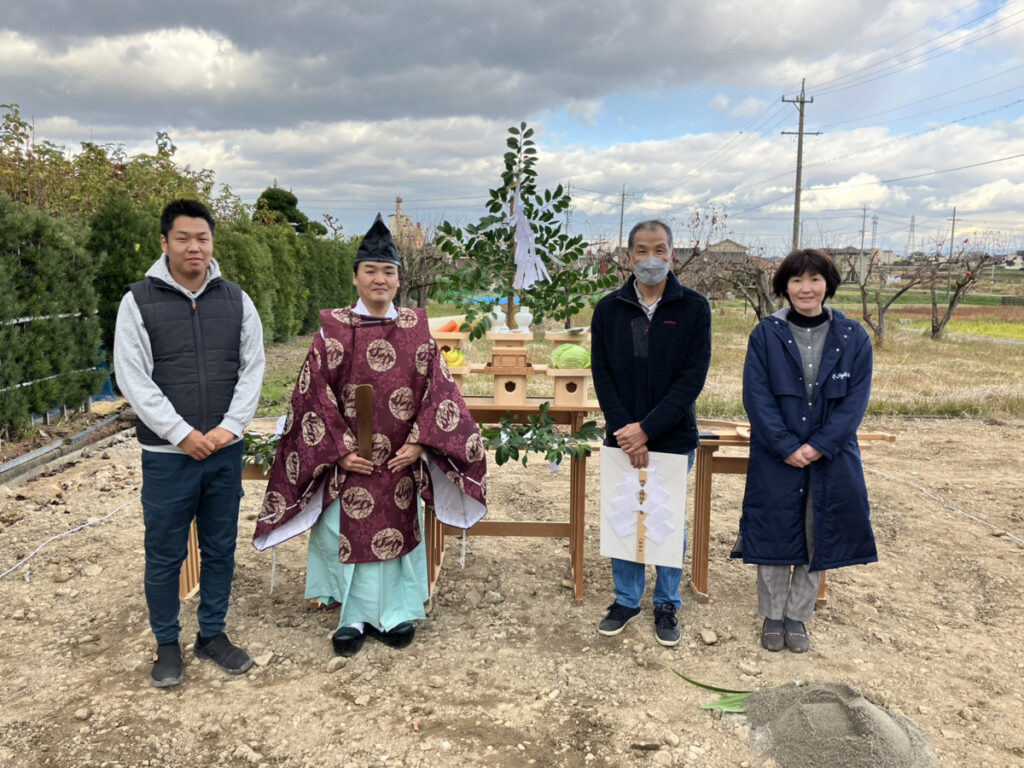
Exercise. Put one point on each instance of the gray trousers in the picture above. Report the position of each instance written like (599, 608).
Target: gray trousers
(790, 590)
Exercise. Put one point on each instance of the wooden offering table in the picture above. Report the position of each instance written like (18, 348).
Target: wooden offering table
(714, 436)
(485, 411)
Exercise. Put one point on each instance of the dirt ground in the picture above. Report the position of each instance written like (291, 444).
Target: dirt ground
(509, 670)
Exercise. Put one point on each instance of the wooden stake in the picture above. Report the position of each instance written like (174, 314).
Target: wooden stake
(641, 517)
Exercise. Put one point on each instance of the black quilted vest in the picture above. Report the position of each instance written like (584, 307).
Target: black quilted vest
(195, 349)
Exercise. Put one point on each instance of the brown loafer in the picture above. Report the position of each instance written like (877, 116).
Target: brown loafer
(796, 636)
(773, 635)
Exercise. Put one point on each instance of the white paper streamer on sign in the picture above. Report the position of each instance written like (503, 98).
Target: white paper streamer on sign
(620, 485)
(623, 518)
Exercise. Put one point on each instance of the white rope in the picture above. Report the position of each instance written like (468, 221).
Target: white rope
(947, 505)
(24, 560)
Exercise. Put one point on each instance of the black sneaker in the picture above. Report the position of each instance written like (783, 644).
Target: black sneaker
(229, 657)
(617, 619)
(399, 636)
(167, 669)
(666, 628)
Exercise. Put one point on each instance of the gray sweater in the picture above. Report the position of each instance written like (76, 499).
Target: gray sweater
(810, 342)
(133, 366)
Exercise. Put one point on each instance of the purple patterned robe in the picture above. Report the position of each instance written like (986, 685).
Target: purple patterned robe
(415, 401)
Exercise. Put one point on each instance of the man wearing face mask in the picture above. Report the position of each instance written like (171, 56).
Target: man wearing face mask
(650, 357)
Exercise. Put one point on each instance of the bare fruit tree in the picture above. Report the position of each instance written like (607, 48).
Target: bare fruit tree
(752, 279)
(421, 266)
(962, 274)
(880, 285)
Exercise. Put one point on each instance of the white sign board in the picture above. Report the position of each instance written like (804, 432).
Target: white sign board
(643, 512)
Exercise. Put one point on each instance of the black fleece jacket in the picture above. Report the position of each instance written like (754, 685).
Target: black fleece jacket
(651, 372)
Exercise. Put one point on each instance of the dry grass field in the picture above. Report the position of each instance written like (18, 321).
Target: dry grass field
(960, 375)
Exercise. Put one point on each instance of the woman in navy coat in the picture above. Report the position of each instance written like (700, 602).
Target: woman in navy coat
(806, 385)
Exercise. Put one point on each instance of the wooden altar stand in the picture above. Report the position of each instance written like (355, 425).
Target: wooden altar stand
(714, 436)
(511, 371)
(485, 411)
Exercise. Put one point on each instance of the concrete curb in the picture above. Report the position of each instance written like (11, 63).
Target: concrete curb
(24, 468)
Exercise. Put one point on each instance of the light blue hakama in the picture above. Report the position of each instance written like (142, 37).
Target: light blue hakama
(384, 593)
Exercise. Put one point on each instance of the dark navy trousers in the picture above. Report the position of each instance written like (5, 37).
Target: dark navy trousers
(175, 489)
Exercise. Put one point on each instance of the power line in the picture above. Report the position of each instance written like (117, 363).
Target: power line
(874, 147)
(752, 128)
(887, 181)
(924, 57)
(865, 75)
(908, 35)
(935, 96)
(936, 173)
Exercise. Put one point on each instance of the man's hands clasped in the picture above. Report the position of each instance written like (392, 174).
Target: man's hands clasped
(200, 446)
(633, 441)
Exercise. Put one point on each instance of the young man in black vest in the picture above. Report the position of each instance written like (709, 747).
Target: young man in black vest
(188, 357)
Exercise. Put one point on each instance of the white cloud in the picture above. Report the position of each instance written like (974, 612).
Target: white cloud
(749, 107)
(350, 109)
(585, 110)
(168, 62)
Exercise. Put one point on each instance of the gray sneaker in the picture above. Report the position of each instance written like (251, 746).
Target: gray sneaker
(167, 667)
(617, 619)
(666, 627)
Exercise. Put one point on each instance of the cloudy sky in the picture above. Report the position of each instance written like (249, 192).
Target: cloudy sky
(919, 105)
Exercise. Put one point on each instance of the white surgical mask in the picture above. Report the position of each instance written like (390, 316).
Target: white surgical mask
(650, 271)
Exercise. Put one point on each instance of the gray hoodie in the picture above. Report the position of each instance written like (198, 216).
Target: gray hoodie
(133, 365)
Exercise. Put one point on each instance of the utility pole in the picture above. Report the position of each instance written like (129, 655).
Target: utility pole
(622, 218)
(949, 264)
(799, 102)
(860, 256)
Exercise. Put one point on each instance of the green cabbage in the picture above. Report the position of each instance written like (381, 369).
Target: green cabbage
(570, 356)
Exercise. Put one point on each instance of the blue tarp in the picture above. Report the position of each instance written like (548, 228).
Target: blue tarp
(491, 299)
(107, 392)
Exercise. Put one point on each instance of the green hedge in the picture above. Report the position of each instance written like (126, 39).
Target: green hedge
(49, 329)
(52, 266)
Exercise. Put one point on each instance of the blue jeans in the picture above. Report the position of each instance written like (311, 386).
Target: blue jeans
(175, 489)
(630, 577)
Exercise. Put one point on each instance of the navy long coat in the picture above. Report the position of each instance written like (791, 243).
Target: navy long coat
(781, 421)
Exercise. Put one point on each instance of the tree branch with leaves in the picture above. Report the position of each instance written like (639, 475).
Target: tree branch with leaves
(484, 253)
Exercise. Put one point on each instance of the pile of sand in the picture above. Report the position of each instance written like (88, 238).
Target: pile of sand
(831, 725)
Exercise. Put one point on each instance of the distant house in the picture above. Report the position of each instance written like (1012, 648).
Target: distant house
(888, 258)
(727, 251)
